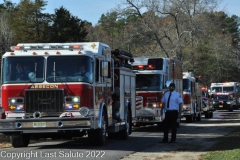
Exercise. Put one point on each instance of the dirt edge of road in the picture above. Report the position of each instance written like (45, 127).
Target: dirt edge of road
(192, 147)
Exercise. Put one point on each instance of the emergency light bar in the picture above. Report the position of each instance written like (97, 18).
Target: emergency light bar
(144, 67)
(46, 47)
(221, 93)
(222, 84)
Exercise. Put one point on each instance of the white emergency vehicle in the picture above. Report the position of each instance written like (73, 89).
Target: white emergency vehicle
(227, 87)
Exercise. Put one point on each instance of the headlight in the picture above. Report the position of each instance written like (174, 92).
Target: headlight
(76, 99)
(72, 103)
(16, 104)
(84, 111)
(13, 101)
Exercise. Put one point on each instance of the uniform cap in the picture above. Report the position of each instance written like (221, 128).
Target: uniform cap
(172, 85)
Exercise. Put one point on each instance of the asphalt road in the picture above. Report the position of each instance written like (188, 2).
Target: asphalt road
(141, 139)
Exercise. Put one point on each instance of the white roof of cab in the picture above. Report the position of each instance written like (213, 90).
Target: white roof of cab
(95, 48)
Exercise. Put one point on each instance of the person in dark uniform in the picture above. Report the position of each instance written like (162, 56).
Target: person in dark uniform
(172, 103)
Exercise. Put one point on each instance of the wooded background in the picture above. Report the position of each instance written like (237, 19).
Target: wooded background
(205, 40)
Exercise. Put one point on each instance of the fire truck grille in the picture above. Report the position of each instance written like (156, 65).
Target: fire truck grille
(44, 100)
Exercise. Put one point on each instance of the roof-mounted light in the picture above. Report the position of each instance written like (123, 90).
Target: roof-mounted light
(47, 47)
(77, 47)
(150, 66)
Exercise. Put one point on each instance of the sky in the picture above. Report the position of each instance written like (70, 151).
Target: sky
(91, 10)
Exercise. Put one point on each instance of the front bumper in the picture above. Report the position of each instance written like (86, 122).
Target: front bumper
(33, 125)
(222, 107)
(149, 115)
(187, 113)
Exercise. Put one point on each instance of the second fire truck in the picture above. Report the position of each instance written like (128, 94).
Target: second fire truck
(54, 101)
(151, 76)
(192, 97)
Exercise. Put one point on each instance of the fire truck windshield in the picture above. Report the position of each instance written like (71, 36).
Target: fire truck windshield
(186, 85)
(19, 69)
(216, 89)
(58, 69)
(149, 82)
(69, 69)
(228, 89)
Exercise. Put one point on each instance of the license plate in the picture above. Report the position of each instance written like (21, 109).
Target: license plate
(220, 106)
(39, 124)
(157, 118)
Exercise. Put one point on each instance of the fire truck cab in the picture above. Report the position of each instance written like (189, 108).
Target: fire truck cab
(192, 97)
(151, 76)
(64, 90)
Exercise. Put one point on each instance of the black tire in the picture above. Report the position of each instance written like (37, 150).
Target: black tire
(207, 114)
(211, 114)
(124, 134)
(98, 136)
(189, 118)
(198, 118)
(112, 135)
(20, 140)
(160, 126)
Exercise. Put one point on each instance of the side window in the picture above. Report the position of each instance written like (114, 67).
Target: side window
(97, 71)
(191, 85)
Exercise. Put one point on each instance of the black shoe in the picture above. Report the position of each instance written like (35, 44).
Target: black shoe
(163, 141)
(174, 141)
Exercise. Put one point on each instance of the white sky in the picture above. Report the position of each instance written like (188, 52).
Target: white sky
(91, 10)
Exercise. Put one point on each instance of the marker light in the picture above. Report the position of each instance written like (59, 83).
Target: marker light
(150, 66)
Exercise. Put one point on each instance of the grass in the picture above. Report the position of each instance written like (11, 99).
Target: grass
(227, 148)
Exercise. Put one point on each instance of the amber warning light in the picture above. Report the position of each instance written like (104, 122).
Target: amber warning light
(150, 66)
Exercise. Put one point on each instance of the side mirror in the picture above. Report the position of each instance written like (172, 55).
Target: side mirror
(104, 69)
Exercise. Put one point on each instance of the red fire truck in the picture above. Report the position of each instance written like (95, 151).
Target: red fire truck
(192, 97)
(207, 103)
(56, 100)
(151, 76)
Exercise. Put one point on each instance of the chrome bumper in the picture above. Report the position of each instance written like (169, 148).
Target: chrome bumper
(44, 124)
(149, 115)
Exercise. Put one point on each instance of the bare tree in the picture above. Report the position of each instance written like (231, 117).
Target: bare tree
(6, 34)
(169, 26)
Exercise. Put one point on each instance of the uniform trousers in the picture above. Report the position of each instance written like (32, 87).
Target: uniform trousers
(170, 121)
